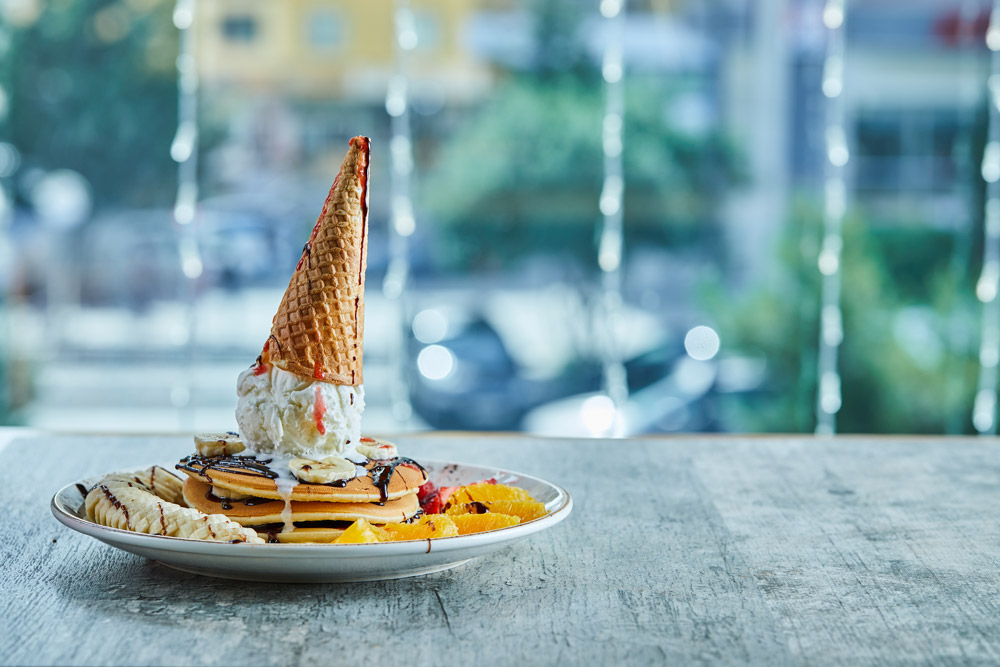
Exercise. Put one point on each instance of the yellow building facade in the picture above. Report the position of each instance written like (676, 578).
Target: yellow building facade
(337, 49)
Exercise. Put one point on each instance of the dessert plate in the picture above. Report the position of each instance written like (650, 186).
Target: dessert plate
(319, 563)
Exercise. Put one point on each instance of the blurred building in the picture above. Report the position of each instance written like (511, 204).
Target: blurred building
(309, 50)
(288, 81)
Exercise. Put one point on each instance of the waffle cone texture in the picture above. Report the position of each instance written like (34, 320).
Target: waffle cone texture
(319, 328)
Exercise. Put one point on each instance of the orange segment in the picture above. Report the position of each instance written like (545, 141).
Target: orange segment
(359, 532)
(480, 523)
(488, 493)
(526, 510)
(467, 508)
(429, 525)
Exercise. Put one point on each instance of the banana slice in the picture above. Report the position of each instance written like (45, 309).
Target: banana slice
(228, 494)
(138, 503)
(158, 481)
(218, 444)
(330, 469)
(376, 449)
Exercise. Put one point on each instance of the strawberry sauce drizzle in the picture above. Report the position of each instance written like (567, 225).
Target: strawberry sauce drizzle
(319, 411)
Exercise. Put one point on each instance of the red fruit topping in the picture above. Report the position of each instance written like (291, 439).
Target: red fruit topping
(446, 492)
(426, 489)
(432, 504)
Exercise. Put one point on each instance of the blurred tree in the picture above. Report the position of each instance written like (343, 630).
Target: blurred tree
(524, 173)
(94, 90)
(900, 293)
(909, 361)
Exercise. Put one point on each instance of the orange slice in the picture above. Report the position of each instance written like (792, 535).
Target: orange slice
(480, 523)
(526, 510)
(488, 493)
(359, 532)
(429, 525)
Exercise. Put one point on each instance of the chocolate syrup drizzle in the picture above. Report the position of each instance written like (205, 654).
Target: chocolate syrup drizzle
(117, 504)
(238, 465)
(380, 471)
(272, 530)
(227, 503)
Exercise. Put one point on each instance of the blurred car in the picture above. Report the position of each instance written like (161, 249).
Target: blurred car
(462, 376)
(669, 391)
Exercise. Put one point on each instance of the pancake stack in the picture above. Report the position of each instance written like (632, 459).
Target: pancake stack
(260, 493)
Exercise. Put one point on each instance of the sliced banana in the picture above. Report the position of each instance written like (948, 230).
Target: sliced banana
(228, 494)
(218, 444)
(376, 449)
(138, 503)
(330, 469)
(158, 481)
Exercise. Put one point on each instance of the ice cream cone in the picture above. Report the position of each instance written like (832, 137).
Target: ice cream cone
(319, 328)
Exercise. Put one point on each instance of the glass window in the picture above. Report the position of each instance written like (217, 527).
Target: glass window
(324, 28)
(239, 28)
(495, 168)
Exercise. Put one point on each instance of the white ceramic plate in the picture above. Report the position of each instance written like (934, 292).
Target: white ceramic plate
(326, 562)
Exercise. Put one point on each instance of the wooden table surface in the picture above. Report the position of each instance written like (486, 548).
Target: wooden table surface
(688, 550)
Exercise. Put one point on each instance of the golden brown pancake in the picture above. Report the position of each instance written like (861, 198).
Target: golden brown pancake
(196, 495)
(246, 475)
(305, 534)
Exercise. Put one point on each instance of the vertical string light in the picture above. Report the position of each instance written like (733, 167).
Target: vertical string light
(962, 155)
(184, 151)
(984, 409)
(403, 222)
(611, 239)
(831, 327)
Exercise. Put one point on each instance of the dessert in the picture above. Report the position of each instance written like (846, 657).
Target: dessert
(299, 461)
(299, 470)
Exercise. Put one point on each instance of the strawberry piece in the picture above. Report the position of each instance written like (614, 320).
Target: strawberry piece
(447, 492)
(432, 504)
(425, 490)
(434, 499)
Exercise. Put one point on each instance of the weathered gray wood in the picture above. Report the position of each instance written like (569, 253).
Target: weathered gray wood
(687, 550)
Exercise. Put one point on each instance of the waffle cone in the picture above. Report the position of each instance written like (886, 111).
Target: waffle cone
(319, 328)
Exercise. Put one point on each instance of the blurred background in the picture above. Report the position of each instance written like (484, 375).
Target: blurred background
(587, 218)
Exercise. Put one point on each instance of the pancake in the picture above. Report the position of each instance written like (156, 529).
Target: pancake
(386, 479)
(304, 534)
(197, 495)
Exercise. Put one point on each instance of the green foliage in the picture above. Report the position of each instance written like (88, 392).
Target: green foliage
(908, 359)
(94, 90)
(526, 172)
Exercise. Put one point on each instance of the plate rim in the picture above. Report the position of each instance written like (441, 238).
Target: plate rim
(118, 536)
